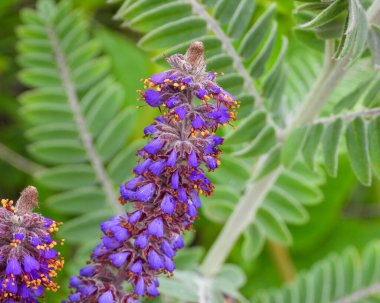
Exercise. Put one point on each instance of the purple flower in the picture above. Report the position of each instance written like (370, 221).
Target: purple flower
(13, 267)
(198, 122)
(141, 241)
(154, 146)
(169, 264)
(137, 267)
(30, 264)
(200, 93)
(157, 167)
(168, 204)
(156, 227)
(152, 290)
(140, 287)
(172, 102)
(181, 112)
(193, 161)
(211, 162)
(149, 130)
(135, 217)
(142, 167)
(87, 271)
(118, 259)
(155, 261)
(106, 297)
(153, 98)
(175, 180)
(172, 158)
(178, 242)
(167, 249)
(145, 193)
(159, 78)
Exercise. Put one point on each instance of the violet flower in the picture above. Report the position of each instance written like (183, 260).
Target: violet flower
(28, 261)
(140, 245)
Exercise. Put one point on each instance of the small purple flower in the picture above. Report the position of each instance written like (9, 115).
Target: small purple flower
(118, 259)
(145, 193)
(172, 102)
(149, 130)
(154, 146)
(136, 268)
(198, 122)
(141, 241)
(200, 93)
(142, 167)
(178, 242)
(155, 260)
(153, 98)
(167, 249)
(159, 78)
(175, 180)
(168, 204)
(172, 160)
(181, 112)
(152, 290)
(75, 281)
(135, 217)
(87, 271)
(193, 161)
(182, 197)
(157, 167)
(169, 264)
(106, 297)
(30, 264)
(140, 287)
(156, 227)
(13, 267)
(211, 162)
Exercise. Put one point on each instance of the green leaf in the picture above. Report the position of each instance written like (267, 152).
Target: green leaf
(256, 35)
(374, 144)
(247, 128)
(225, 9)
(265, 140)
(273, 226)
(349, 100)
(67, 177)
(153, 18)
(188, 259)
(330, 13)
(357, 147)
(253, 242)
(311, 144)
(241, 18)
(330, 143)
(374, 44)
(293, 144)
(85, 227)
(58, 151)
(271, 162)
(77, 201)
(173, 33)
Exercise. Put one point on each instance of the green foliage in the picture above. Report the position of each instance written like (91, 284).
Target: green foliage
(338, 278)
(83, 129)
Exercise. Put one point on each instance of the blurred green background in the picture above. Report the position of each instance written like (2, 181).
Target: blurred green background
(348, 214)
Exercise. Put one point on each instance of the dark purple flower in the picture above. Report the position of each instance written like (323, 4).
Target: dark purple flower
(154, 146)
(172, 102)
(181, 112)
(198, 122)
(106, 297)
(156, 227)
(153, 98)
(140, 287)
(155, 260)
(159, 78)
(172, 158)
(193, 161)
(87, 271)
(149, 130)
(118, 259)
(141, 241)
(168, 204)
(145, 193)
(137, 267)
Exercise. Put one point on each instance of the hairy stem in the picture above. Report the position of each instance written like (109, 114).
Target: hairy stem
(256, 191)
(361, 294)
(367, 113)
(84, 133)
(19, 162)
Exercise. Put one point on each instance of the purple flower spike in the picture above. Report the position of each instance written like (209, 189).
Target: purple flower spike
(164, 194)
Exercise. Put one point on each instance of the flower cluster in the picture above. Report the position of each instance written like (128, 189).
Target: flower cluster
(28, 261)
(140, 245)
